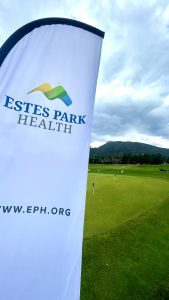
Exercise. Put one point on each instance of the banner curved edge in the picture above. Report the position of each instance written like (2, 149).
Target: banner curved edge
(27, 28)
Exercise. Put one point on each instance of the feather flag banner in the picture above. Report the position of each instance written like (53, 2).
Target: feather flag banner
(48, 75)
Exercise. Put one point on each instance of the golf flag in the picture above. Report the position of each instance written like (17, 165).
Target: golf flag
(48, 76)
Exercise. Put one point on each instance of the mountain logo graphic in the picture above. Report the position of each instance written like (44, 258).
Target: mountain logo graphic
(53, 93)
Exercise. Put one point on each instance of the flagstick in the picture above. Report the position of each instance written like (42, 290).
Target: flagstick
(93, 188)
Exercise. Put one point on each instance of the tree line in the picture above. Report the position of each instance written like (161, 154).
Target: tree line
(151, 159)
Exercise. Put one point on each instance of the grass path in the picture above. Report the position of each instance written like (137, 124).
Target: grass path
(131, 261)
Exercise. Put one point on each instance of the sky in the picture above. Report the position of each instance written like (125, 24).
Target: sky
(132, 97)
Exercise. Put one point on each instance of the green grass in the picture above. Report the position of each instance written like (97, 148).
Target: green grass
(131, 170)
(126, 236)
(118, 199)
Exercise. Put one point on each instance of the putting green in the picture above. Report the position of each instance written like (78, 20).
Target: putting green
(118, 199)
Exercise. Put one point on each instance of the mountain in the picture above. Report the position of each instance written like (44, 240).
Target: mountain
(122, 148)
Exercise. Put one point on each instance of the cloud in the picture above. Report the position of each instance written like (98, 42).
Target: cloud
(132, 96)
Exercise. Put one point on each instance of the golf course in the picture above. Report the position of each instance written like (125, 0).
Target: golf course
(126, 233)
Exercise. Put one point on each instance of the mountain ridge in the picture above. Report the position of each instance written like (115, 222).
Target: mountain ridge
(119, 148)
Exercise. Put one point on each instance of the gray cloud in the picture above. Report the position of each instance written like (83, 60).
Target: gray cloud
(139, 60)
(115, 119)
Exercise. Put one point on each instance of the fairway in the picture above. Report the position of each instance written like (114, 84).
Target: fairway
(126, 235)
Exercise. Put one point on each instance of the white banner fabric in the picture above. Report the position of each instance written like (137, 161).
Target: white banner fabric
(47, 92)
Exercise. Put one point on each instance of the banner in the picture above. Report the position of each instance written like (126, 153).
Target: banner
(48, 75)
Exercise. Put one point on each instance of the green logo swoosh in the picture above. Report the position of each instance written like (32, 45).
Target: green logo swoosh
(53, 93)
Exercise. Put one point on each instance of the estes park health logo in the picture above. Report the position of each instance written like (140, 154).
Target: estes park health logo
(45, 117)
(53, 93)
